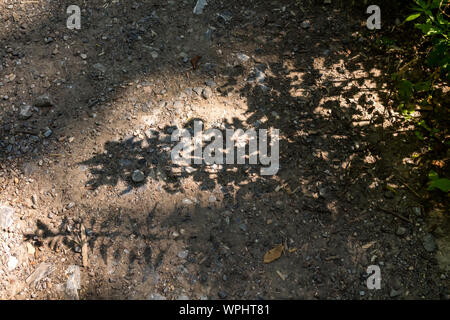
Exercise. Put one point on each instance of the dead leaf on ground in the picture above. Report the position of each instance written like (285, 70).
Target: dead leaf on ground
(368, 245)
(273, 254)
(194, 61)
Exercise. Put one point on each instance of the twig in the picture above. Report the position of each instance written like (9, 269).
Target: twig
(394, 214)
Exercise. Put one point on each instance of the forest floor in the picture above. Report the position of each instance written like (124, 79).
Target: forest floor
(104, 101)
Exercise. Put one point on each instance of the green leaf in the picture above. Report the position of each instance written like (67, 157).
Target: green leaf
(442, 184)
(433, 176)
(413, 16)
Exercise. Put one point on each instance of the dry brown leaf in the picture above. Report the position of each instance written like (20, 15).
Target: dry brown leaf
(368, 245)
(273, 254)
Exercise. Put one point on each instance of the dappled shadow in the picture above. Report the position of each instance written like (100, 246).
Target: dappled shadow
(328, 204)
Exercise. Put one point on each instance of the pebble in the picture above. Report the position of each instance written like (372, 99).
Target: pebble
(183, 254)
(26, 112)
(200, 6)
(401, 231)
(305, 25)
(429, 243)
(210, 83)
(207, 93)
(395, 293)
(12, 263)
(138, 176)
(48, 133)
(222, 294)
(243, 57)
(155, 296)
(6, 217)
(43, 101)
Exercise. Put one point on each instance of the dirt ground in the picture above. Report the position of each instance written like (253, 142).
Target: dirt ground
(104, 101)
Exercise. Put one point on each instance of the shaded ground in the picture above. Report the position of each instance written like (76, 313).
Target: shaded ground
(341, 201)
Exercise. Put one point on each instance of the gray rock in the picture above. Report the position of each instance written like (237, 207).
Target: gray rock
(243, 57)
(395, 293)
(43, 101)
(200, 6)
(155, 296)
(198, 90)
(6, 217)
(100, 67)
(305, 25)
(207, 93)
(210, 83)
(178, 104)
(183, 254)
(417, 211)
(183, 297)
(401, 231)
(138, 176)
(243, 227)
(25, 112)
(48, 133)
(225, 16)
(73, 283)
(42, 271)
(429, 243)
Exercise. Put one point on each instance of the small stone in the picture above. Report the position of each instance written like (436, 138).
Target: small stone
(243, 227)
(25, 112)
(210, 83)
(138, 176)
(30, 248)
(100, 67)
(154, 54)
(212, 199)
(417, 211)
(429, 243)
(175, 234)
(207, 93)
(305, 25)
(42, 271)
(395, 293)
(322, 192)
(6, 217)
(70, 205)
(73, 283)
(83, 56)
(183, 254)
(222, 294)
(43, 101)
(187, 201)
(243, 57)
(401, 231)
(12, 263)
(198, 90)
(155, 296)
(48, 132)
(200, 6)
